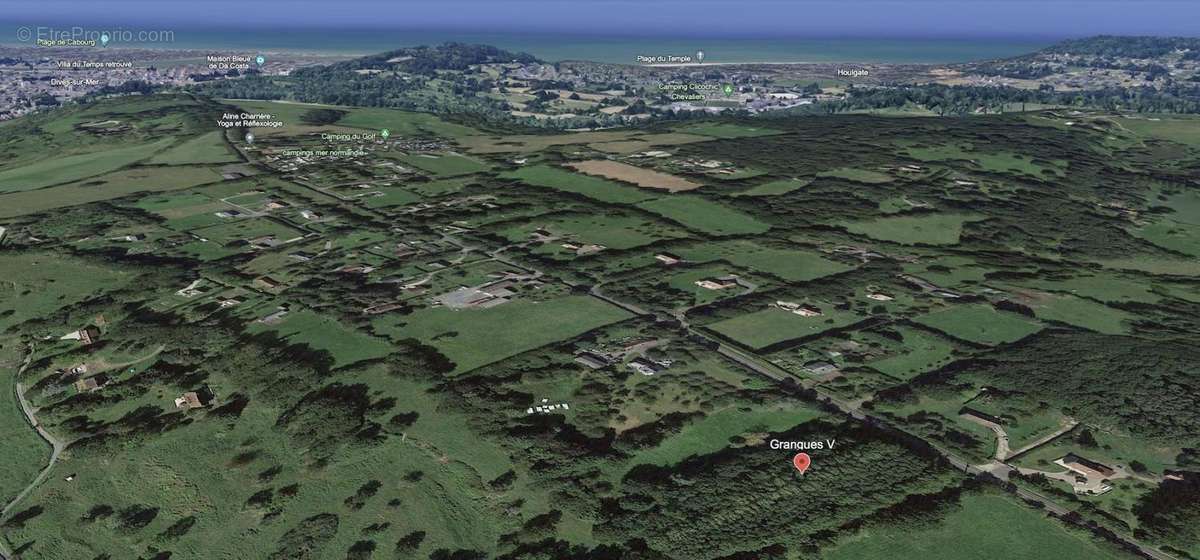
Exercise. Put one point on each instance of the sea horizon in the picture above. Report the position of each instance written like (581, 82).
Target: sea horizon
(554, 47)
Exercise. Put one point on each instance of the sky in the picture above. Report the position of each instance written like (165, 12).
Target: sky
(677, 18)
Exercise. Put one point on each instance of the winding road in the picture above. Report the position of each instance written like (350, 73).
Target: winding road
(56, 446)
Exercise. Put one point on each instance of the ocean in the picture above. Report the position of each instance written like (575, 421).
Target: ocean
(600, 48)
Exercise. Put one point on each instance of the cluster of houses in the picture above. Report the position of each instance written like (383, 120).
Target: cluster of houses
(597, 358)
(490, 294)
(544, 235)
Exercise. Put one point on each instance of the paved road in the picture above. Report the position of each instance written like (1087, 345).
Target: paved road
(1002, 449)
(56, 445)
(858, 413)
(854, 410)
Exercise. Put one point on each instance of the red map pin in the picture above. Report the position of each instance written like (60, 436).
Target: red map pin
(802, 461)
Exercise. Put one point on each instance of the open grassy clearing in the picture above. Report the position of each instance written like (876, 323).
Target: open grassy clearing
(612, 230)
(713, 432)
(566, 181)
(772, 326)
(105, 187)
(922, 352)
(403, 123)
(996, 162)
(345, 344)
(64, 169)
(949, 271)
(1081, 312)
(979, 526)
(176, 474)
(37, 284)
(980, 323)
(1185, 206)
(391, 196)
(1169, 234)
(925, 229)
(1101, 286)
(206, 148)
(1155, 265)
(793, 265)
(446, 165)
(247, 229)
(775, 188)
(705, 216)
(1184, 129)
(475, 337)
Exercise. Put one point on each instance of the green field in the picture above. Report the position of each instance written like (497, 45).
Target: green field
(925, 229)
(774, 188)
(980, 526)
(206, 148)
(1169, 234)
(566, 181)
(24, 451)
(105, 187)
(615, 231)
(345, 344)
(980, 323)
(792, 265)
(399, 123)
(772, 326)
(712, 432)
(247, 229)
(446, 165)
(392, 196)
(922, 352)
(475, 337)
(996, 162)
(704, 215)
(378, 420)
(403, 123)
(35, 285)
(1103, 287)
(64, 169)
(1083, 313)
(1177, 128)
(177, 475)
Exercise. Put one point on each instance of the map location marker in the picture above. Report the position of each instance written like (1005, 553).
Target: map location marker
(260, 60)
(104, 39)
(249, 137)
(802, 461)
(700, 56)
(385, 133)
(728, 89)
